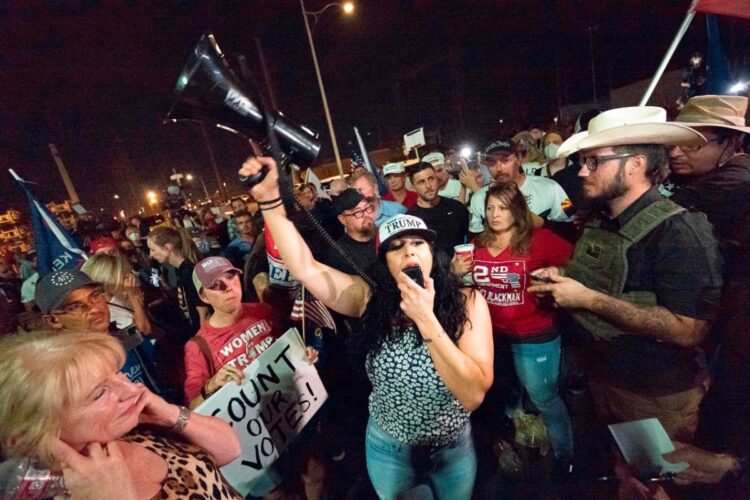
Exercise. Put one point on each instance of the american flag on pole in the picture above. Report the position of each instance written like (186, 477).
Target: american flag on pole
(311, 309)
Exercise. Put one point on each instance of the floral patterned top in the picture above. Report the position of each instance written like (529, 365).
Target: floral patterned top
(409, 399)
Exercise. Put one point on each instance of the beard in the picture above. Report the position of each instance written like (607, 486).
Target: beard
(613, 190)
(368, 231)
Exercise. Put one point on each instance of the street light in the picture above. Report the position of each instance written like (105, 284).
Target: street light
(152, 199)
(205, 190)
(348, 8)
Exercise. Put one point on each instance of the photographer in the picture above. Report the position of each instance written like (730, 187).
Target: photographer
(419, 417)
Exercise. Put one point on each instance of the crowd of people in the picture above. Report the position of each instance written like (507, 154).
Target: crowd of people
(578, 279)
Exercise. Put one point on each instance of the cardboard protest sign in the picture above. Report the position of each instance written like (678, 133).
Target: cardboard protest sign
(279, 395)
(414, 139)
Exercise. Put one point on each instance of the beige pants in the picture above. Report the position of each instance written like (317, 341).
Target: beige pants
(678, 413)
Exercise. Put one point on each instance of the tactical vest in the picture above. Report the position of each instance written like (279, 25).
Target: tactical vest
(600, 262)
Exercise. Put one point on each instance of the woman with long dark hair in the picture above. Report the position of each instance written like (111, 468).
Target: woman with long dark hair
(430, 355)
(506, 253)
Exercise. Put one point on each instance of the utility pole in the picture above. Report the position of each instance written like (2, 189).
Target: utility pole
(72, 194)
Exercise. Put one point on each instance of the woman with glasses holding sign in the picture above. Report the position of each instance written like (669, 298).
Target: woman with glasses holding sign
(430, 347)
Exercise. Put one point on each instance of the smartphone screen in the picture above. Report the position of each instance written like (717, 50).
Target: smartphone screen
(539, 279)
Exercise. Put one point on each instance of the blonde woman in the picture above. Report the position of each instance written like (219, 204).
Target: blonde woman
(126, 306)
(175, 247)
(66, 406)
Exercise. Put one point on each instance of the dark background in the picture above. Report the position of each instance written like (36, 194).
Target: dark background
(95, 77)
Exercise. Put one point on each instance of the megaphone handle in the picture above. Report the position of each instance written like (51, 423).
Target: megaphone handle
(252, 180)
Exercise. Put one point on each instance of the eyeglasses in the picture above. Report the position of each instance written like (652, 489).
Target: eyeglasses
(221, 282)
(691, 148)
(593, 162)
(361, 213)
(82, 307)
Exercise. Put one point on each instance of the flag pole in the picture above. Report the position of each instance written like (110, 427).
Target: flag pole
(670, 52)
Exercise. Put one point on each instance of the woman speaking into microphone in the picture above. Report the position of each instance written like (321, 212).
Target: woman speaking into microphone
(430, 347)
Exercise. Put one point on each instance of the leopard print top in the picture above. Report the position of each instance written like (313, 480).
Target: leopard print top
(191, 473)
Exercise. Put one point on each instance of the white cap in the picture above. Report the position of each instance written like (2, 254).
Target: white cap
(393, 168)
(434, 158)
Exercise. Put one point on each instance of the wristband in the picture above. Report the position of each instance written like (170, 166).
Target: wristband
(269, 202)
(429, 340)
(182, 420)
(264, 208)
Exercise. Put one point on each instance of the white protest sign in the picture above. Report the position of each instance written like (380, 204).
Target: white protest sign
(414, 139)
(279, 395)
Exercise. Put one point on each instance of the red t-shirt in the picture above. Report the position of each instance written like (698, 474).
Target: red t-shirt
(410, 199)
(502, 280)
(238, 344)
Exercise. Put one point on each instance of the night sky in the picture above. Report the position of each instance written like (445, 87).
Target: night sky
(95, 77)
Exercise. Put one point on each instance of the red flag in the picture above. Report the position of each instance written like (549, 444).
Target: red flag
(733, 8)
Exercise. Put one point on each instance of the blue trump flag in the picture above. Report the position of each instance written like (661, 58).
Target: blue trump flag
(717, 78)
(55, 249)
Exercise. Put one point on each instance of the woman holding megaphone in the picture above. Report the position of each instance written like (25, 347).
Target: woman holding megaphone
(430, 347)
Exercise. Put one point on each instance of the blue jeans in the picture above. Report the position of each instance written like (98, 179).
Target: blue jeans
(450, 469)
(538, 368)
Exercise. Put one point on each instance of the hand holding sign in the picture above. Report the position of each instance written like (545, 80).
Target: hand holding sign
(280, 392)
(226, 374)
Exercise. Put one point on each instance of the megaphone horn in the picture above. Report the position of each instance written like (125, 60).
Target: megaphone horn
(208, 90)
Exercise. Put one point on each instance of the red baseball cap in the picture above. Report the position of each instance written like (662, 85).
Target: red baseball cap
(207, 271)
(103, 242)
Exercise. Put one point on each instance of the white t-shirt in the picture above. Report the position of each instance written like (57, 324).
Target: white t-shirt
(452, 190)
(542, 195)
(531, 167)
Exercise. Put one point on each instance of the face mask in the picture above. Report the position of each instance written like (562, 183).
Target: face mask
(550, 151)
(133, 237)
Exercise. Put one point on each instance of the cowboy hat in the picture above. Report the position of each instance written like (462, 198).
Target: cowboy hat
(632, 125)
(723, 111)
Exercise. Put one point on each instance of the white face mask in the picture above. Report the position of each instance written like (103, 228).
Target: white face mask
(550, 151)
(133, 237)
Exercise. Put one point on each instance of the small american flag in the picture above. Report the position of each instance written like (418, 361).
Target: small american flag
(312, 310)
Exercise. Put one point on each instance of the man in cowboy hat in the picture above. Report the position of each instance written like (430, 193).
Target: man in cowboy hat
(645, 279)
(715, 180)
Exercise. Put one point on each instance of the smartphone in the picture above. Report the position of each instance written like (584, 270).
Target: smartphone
(415, 273)
(539, 279)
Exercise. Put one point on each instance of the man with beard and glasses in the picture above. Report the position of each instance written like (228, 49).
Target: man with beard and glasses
(645, 278)
(358, 218)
